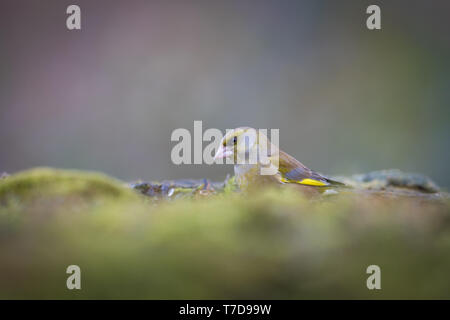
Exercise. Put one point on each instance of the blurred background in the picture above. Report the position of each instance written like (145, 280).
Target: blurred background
(107, 98)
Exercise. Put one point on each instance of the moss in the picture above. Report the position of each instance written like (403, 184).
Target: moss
(41, 183)
(274, 244)
(230, 185)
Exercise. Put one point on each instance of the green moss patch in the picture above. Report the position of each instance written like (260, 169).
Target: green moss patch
(274, 244)
(42, 183)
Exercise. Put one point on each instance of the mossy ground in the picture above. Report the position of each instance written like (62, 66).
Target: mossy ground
(276, 244)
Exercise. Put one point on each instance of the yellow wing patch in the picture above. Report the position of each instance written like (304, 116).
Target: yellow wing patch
(309, 182)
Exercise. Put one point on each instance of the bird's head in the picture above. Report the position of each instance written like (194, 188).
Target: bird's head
(240, 144)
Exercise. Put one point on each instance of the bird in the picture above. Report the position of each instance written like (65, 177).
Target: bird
(258, 162)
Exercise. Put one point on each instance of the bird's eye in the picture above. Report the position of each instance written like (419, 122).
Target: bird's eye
(235, 140)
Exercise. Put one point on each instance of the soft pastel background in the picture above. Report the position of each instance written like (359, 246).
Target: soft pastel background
(345, 99)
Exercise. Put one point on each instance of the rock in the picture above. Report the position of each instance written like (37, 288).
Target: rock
(389, 182)
(384, 179)
(181, 188)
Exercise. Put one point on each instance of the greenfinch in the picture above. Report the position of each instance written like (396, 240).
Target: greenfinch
(258, 162)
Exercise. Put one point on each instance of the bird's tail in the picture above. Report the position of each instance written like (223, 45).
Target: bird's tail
(335, 183)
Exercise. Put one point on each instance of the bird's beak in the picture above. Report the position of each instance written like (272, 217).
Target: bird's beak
(223, 152)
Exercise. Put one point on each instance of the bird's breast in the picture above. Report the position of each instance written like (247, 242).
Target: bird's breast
(249, 175)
